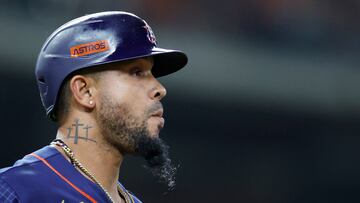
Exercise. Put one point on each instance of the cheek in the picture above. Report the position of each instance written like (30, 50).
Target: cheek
(120, 93)
(133, 96)
(136, 100)
(136, 97)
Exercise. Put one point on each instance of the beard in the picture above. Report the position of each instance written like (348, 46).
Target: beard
(129, 135)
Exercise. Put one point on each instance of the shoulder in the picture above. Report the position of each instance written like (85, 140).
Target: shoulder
(29, 166)
(20, 178)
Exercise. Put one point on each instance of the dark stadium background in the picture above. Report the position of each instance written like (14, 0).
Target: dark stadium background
(267, 110)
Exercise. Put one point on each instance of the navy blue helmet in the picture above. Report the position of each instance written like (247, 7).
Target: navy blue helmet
(97, 39)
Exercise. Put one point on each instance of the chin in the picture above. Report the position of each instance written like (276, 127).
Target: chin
(153, 134)
(154, 131)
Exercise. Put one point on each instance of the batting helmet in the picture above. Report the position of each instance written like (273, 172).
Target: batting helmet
(97, 39)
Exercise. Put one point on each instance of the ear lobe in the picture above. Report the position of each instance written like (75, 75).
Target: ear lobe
(81, 90)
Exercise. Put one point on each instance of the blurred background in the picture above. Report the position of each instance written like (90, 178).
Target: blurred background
(267, 110)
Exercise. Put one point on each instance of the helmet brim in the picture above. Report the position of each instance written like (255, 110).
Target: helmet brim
(167, 61)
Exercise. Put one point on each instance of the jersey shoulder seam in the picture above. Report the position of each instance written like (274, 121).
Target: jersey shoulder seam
(11, 168)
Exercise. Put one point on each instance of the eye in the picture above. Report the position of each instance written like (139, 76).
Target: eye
(140, 71)
(137, 72)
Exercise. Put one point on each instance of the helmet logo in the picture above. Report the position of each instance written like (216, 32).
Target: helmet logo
(150, 34)
(89, 48)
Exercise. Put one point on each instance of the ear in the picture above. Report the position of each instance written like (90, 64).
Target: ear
(82, 89)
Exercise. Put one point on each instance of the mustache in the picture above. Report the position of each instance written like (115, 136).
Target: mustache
(154, 108)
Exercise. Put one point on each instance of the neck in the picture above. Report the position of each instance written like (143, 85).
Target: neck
(92, 151)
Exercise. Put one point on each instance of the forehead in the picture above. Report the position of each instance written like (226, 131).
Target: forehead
(104, 71)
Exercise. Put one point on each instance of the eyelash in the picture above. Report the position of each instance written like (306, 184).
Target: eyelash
(137, 72)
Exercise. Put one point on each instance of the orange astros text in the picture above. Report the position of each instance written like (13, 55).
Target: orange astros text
(89, 48)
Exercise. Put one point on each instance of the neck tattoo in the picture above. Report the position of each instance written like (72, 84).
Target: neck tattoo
(69, 153)
(81, 132)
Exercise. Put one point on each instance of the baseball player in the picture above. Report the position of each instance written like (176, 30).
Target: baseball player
(97, 79)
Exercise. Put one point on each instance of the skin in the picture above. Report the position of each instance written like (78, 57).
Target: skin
(129, 84)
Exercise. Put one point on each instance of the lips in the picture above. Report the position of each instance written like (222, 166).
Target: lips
(158, 113)
(159, 116)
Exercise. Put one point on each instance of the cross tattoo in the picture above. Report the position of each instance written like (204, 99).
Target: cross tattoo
(76, 125)
(76, 136)
(87, 131)
(69, 132)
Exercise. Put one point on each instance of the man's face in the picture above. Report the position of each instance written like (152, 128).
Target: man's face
(129, 113)
(130, 98)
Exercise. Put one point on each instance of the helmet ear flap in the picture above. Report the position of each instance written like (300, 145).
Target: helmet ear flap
(41, 79)
(43, 88)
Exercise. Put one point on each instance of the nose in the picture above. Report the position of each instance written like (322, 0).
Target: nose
(158, 92)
